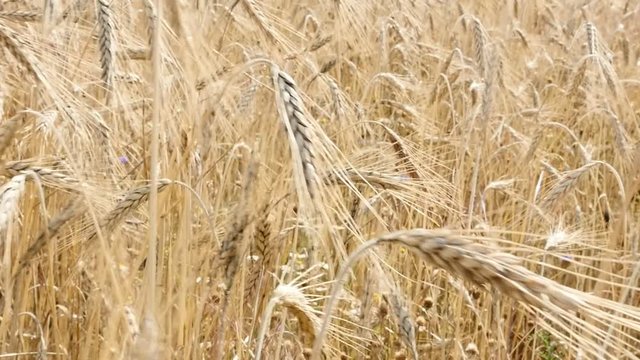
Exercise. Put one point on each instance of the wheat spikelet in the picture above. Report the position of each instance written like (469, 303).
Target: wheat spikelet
(9, 197)
(150, 12)
(620, 133)
(76, 8)
(480, 46)
(15, 44)
(232, 248)
(248, 95)
(259, 17)
(565, 183)
(291, 297)
(131, 201)
(483, 265)
(50, 176)
(266, 252)
(107, 42)
(8, 129)
(22, 16)
(292, 112)
(405, 323)
(592, 42)
(71, 210)
(319, 42)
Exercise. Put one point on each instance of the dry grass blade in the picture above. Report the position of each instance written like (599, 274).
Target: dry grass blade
(292, 112)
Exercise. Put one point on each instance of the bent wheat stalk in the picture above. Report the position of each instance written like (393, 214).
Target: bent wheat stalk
(485, 266)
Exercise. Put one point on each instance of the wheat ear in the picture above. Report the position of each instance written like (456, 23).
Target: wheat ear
(259, 17)
(566, 183)
(292, 112)
(405, 323)
(9, 197)
(51, 176)
(231, 250)
(106, 39)
(266, 252)
(291, 297)
(469, 260)
(8, 130)
(131, 201)
(71, 210)
(21, 15)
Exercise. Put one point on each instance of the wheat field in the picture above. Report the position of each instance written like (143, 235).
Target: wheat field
(347, 179)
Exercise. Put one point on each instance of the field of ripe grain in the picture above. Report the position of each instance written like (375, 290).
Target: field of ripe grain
(347, 179)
